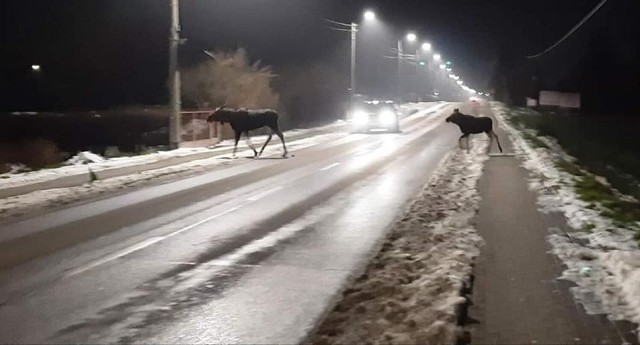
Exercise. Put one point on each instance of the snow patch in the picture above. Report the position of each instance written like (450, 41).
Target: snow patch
(410, 291)
(85, 157)
(21, 204)
(79, 163)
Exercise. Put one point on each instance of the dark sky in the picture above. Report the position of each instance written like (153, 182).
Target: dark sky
(102, 53)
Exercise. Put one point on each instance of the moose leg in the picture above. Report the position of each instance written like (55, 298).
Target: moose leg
(466, 135)
(497, 139)
(468, 144)
(490, 141)
(250, 144)
(235, 146)
(265, 144)
(279, 134)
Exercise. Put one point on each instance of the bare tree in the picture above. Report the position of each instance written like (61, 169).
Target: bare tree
(229, 78)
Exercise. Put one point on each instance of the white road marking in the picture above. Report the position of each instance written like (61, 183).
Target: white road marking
(241, 252)
(330, 166)
(144, 244)
(261, 195)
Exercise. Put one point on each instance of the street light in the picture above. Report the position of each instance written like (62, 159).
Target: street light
(35, 68)
(353, 29)
(426, 46)
(460, 82)
(442, 66)
(411, 37)
(437, 57)
(369, 15)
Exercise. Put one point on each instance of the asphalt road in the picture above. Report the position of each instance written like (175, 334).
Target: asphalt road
(252, 253)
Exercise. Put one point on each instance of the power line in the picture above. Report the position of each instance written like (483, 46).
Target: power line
(337, 23)
(575, 27)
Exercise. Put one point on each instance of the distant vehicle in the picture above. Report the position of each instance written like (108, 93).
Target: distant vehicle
(374, 115)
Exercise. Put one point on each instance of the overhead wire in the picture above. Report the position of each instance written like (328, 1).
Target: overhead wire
(573, 29)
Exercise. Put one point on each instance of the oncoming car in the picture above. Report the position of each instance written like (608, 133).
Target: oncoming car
(374, 116)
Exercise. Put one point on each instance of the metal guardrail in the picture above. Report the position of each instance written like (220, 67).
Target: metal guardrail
(194, 126)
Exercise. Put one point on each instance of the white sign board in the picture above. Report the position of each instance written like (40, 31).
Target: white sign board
(531, 102)
(560, 99)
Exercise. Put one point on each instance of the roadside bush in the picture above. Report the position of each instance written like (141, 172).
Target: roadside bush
(229, 78)
(35, 154)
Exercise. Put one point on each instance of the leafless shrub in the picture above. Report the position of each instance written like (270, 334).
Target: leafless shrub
(229, 78)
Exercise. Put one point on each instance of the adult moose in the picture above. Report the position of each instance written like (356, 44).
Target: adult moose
(244, 120)
(473, 125)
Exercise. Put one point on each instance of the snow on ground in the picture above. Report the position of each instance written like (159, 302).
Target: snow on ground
(410, 291)
(80, 163)
(42, 199)
(603, 261)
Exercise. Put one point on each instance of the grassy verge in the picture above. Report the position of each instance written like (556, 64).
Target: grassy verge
(610, 154)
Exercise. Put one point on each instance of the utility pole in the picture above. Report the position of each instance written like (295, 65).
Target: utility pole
(174, 76)
(400, 57)
(354, 30)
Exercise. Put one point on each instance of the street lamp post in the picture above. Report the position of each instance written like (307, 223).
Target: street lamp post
(411, 37)
(174, 76)
(354, 30)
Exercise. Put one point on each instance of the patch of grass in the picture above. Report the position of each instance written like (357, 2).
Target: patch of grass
(568, 167)
(604, 145)
(623, 213)
(535, 140)
(588, 227)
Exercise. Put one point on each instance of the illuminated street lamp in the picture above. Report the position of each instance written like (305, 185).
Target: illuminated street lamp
(352, 28)
(437, 57)
(442, 66)
(460, 82)
(369, 15)
(35, 68)
(426, 46)
(411, 37)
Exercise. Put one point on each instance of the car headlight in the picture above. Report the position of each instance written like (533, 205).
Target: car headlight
(387, 118)
(360, 118)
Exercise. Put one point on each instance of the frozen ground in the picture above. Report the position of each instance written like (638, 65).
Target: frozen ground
(410, 291)
(84, 161)
(602, 259)
(43, 199)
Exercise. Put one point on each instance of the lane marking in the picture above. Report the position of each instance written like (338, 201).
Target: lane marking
(242, 251)
(261, 195)
(143, 244)
(330, 166)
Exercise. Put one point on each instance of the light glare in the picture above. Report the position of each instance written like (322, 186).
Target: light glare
(369, 15)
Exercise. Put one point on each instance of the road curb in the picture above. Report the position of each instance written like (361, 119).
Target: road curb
(82, 178)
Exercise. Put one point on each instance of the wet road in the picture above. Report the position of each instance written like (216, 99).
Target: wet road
(252, 253)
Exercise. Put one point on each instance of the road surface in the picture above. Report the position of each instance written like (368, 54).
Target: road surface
(251, 253)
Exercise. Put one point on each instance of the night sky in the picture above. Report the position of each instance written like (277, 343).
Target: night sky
(104, 53)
